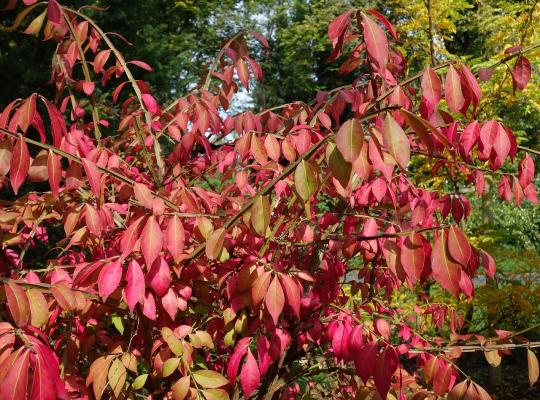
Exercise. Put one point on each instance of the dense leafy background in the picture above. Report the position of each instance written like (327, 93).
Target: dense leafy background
(177, 37)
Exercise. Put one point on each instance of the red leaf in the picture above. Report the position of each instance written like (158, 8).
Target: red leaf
(521, 75)
(150, 103)
(88, 88)
(413, 257)
(431, 88)
(275, 299)
(445, 271)
(6, 154)
(382, 19)
(18, 304)
(109, 279)
(260, 38)
(260, 288)
(292, 290)
(473, 85)
(149, 306)
(93, 220)
(458, 246)
(376, 42)
(94, 176)
(272, 147)
(385, 366)
(159, 276)
(27, 112)
(100, 59)
(485, 74)
(151, 240)
(243, 72)
(141, 64)
(452, 90)
(469, 137)
(135, 287)
(143, 195)
(526, 171)
(338, 25)
(175, 238)
(43, 387)
(250, 376)
(441, 380)
(383, 328)
(236, 357)
(129, 238)
(20, 164)
(54, 170)
(365, 360)
(54, 12)
(502, 147)
(14, 384)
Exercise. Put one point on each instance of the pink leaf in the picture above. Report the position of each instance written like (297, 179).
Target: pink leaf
(159, 276)
(20, 164)
(135, 287)
(54, 12)
(250, 376)
(431, 88)
(151, 240)
(445, 271)
(143, 195)
(382, 19)
(175, 237)
(376, 42)
(141, 64)
(413, 257)
(488, 263)
(275, 299)
(526, 171)
(236, 357)
(292, 290)
(521, 74)
(88, 88)
(129, 237)
(94, 176)
(100, 59)
(170, 303)
(338, 25)
(458, 246)
(150, 103)
(54, 170)
(452, 90)
(13, 384)
(485, 74)
(109, 279)
(385, 366)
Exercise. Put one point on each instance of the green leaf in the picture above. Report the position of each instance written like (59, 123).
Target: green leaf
(260, 215)
(209, 379)
(340, 168)
(305, 179)
(396, 141)
(117, 322)
(350, 139)
(216, 394)
(170, 366)
(117, 376)
(172, 341)
(139, 382)
(214, 244)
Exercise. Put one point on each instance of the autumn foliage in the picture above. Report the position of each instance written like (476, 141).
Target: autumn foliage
(184, 252)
